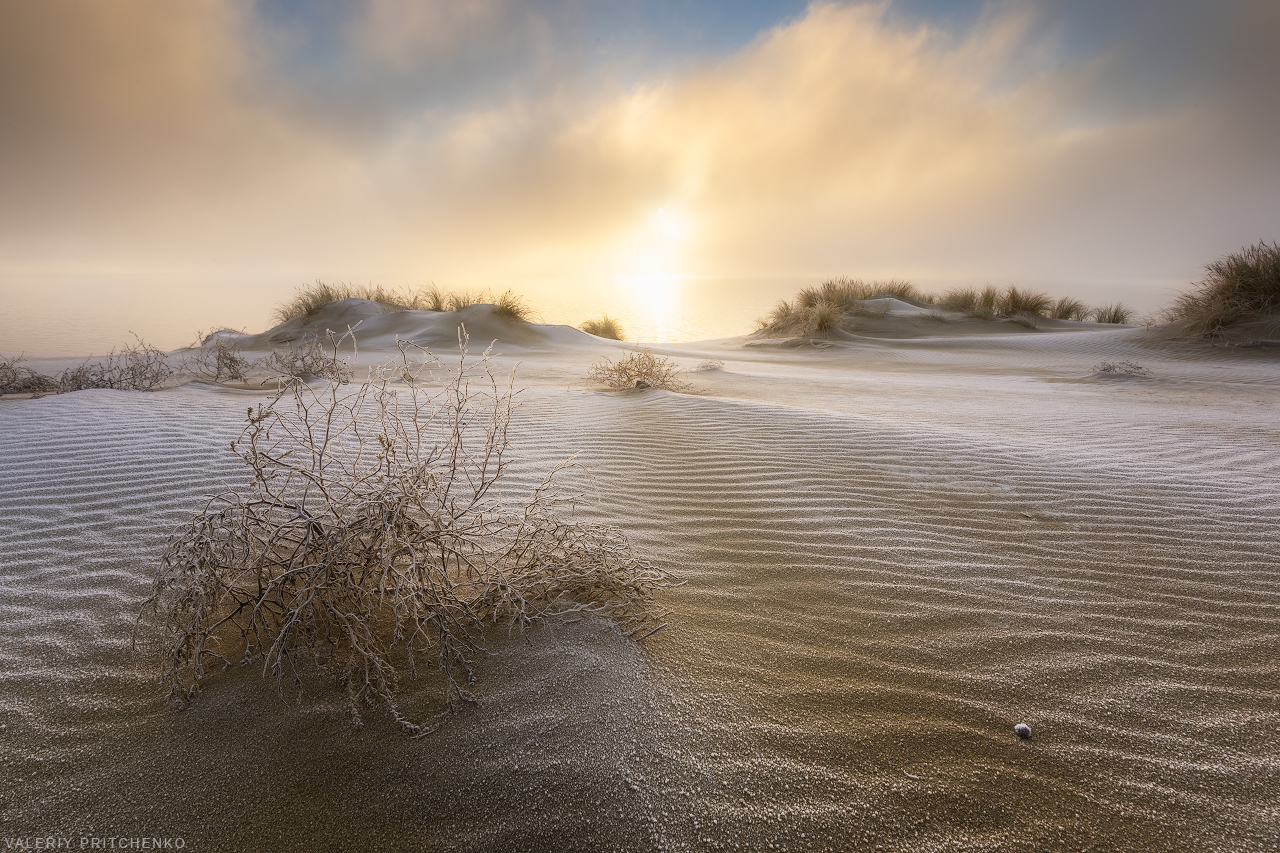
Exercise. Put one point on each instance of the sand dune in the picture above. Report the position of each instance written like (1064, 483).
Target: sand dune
(893, 548)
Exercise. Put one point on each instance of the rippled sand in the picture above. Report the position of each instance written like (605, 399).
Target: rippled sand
(893, 552)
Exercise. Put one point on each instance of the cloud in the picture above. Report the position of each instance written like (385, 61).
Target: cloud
(853, 139)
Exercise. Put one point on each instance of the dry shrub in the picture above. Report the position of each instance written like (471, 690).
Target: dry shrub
(1119, 313)
(639, 369)
(605, 327)
(140, 367)
(1240, 286)
(218, 360)
(1126, 368)
(377, 538)
(711, 364)
(16, 379)
(307, 359)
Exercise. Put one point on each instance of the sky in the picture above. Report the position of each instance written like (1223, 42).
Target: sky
(215, 154)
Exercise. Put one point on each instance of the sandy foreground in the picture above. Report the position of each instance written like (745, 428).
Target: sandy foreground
(893, 550)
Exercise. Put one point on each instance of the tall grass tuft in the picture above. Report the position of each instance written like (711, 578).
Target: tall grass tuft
(1067, 308)
(828, 305)
(1239, 286)
(1119, 313)
(959, 299)
(1014, 301)
(512, 307)
(604, 327)
(310, 298)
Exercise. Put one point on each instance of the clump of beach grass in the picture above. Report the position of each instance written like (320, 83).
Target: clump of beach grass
(379, 537)
(833, 303)
(1118, 314)
(1241, 286)
(311, 298)
(603, 327)
(1066, 308)
(512, 306)
(641, 368)
(1027, 307)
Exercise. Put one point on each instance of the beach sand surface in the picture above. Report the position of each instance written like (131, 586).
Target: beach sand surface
(894, 547)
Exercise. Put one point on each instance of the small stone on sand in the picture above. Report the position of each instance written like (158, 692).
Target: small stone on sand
(1022, 730)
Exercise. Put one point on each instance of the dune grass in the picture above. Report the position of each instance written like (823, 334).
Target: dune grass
(379, 537)
(1240, 286)
(1066, 308)
(829, 305)
(837, 303)
(1119, 313)
(312, 297)
(603, 327)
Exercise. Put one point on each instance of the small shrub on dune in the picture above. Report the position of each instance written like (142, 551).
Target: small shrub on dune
(604, 327)
(307, 359)
(378, 538)
(1239, 286)
(218, 360)
(711, 364)
(1121, 368)
(16, 379)
(140, 367)
(1118, 313)
(639, 369)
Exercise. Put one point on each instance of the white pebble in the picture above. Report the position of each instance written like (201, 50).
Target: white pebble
(1022, 730)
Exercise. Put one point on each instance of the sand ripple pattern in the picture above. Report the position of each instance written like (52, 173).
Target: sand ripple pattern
(892, 555)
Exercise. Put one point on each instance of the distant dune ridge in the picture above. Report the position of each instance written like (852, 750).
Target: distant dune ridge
(897, 538)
